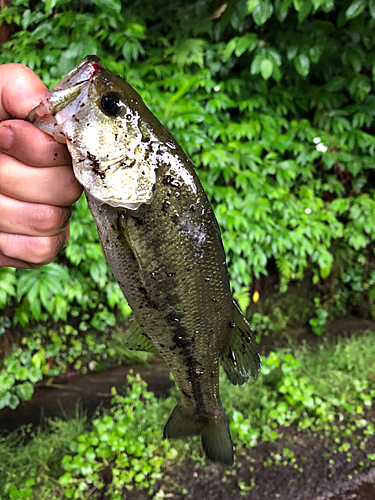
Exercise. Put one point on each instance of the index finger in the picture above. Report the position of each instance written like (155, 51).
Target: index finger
(20, 91)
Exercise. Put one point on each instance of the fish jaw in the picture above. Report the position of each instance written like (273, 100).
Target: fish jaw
(109, 158)
(65, 99)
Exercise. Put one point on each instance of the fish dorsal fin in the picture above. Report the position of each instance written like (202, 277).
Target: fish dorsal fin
(240, 358)
(137, 340)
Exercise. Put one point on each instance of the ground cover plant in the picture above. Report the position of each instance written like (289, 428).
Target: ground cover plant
(326, 393)
(272, 101)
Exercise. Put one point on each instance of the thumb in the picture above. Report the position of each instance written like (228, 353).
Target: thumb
(20, 91)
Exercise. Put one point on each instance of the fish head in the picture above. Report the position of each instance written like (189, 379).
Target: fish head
(98, 115)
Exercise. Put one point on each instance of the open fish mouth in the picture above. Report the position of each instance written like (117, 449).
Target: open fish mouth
(66, 98)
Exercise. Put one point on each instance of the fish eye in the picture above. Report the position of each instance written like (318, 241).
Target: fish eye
(111, 105)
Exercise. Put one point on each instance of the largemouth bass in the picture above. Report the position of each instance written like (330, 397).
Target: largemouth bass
(161, 239)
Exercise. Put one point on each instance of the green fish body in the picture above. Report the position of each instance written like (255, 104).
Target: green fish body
(162, 241)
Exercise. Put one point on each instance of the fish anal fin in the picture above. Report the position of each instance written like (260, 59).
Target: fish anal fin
(214, 431)
(137, 340)
(240, 357)
(181, 425)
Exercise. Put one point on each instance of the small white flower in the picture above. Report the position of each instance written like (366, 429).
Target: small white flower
(316, 140)
(217, 88)
(321, 147)
(307, 210)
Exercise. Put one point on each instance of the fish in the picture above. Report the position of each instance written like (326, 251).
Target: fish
(159, 234)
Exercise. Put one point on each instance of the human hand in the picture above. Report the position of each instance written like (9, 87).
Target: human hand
(37, 184)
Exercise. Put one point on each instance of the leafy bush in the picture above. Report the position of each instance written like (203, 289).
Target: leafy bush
(327, 392)
(279, 126)
(50, 352)
(309, 390)
(272, 101)
(31, 461)
(124, 441)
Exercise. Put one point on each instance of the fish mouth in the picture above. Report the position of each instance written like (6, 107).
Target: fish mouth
(74, 85)
(84, 71)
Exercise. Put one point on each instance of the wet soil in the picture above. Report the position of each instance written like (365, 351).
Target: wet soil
(317, 474)
(313, 477)
(86, 393)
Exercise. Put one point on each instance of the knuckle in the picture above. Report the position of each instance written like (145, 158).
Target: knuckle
(74, 191)
(45, 248)
(50, 219)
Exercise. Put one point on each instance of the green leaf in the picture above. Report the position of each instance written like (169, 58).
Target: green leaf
(256, 62)
(304, 10)
(25, 391)
(266, 68)
(6, 381)
(108, 5)
(246, 43)
(315, 53)
(251, 5)
(243, 299)
(302, 64)
(66, 479)
(229, 49)
(262, 12)
(336, 83)
(50, 4)
(356, 8)
(360, 87)
(189, 51)
(5, 399)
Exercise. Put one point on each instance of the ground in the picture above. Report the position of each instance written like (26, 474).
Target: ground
(314, 473)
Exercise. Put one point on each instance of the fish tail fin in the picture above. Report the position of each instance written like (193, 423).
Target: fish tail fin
(216, 438)
(240, 357)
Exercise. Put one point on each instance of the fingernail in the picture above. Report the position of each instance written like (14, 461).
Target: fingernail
(6, 138)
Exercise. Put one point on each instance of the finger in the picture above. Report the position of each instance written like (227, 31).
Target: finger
(20, 91)
(49, 185)
(32, 219)
(36, 251)
(20, 264)
(31, 146)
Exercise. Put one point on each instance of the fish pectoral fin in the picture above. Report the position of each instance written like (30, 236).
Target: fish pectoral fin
(216, 439)
(137, 340)
(240, 357)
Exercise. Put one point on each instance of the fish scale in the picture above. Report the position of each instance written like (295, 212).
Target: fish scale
(187, 287)
(161, 239)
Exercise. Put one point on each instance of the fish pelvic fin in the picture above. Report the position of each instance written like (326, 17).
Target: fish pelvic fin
(214, 431)
(240, 356)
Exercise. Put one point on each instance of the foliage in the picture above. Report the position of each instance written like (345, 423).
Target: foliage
(328, 392)
(49, 352)
(124, 441)
(32, 460)
(272, 101)
(284, 153)
(71, 465)
(311, 390)
(320, 321)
